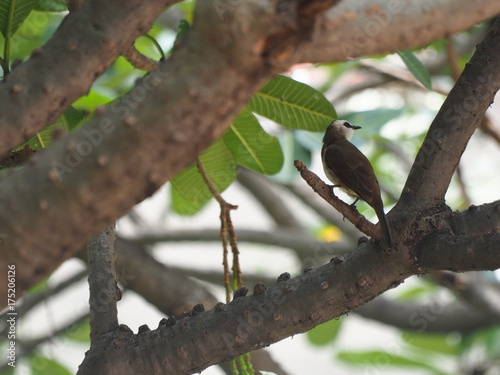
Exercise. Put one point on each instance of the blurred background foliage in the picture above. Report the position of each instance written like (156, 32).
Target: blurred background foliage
(394, 98)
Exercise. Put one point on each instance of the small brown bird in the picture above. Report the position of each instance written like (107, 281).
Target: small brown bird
(350, 170)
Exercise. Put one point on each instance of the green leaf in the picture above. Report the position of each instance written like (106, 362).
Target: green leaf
(92, 100)
(251, 146)
(68, 121)
(325, 333)
(378, 358)
(293, 104)
(181, 205)
(12, 15)
(415, 66)
(437, 343)
(51, 5)
(42, 365)
(182, 28)
(189, 191)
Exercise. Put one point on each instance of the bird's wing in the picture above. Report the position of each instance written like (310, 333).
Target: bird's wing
(354, 170)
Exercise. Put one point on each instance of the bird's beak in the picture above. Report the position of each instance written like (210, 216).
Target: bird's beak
(355, 127)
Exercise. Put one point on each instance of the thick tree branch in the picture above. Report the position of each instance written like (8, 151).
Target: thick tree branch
(171, 291)
(87, 167)
(438, 314)
(378, 29)
(453, 126)
(459, 253)
(477, 220)
(253, 322)
(268, 316)
(218, 66)
(86, 43)
(372, 27)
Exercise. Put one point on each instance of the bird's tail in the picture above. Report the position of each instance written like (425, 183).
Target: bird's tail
(385, 231)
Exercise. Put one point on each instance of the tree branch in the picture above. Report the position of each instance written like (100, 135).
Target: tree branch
(104, 291)
(85, 44)
(326, 192)
(453, 126)
(375, 27)
(437, 314)
(171, 291)
(458, 253)
(251, 322)
(477, 220)
(89, 166)
(138, 60)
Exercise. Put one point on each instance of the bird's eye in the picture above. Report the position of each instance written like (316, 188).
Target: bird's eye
(347, 125)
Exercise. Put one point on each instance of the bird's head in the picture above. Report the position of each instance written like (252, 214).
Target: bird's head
(339, 129)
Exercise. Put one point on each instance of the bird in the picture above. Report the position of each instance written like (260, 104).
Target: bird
(351, 171)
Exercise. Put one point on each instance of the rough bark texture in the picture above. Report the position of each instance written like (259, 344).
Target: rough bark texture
(371, 27)
(104, 291)
(86, 43)
(83, 182)
(248, 323)
(296, 305)
(96, 174)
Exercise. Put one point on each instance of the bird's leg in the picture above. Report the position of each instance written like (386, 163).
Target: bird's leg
(353, 204)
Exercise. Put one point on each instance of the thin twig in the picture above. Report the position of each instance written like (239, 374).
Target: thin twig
(140, 61)
(326, 192)
(227, 230)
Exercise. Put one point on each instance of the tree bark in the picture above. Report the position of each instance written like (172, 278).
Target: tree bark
(86, 43)
(72, 190)
(83, 182)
